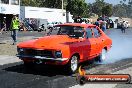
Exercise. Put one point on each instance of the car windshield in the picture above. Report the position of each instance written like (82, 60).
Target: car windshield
(71, 31)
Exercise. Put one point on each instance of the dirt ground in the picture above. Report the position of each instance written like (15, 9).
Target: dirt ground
(6, 47)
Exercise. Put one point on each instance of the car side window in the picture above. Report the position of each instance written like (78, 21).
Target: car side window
(78, 32)
(89, 33)
(96, 32)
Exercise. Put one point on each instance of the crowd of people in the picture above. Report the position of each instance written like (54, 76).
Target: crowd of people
(99, 23)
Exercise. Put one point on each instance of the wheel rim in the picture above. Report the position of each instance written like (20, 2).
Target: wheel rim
(74, 63)
(103, 55)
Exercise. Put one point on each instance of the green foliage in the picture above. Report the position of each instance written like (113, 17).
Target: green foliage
(97, 7)
(51, 3)
(44, 3)
(107, 10)
(123, 9)
(34, 3)
(78, 8)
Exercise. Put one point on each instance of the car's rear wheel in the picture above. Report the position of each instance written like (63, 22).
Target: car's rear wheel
(102, 56)
(73, 64)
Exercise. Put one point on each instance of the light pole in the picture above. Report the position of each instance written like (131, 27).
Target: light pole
(67, 10)
(62, 5)
(63, 14)
(19, 1)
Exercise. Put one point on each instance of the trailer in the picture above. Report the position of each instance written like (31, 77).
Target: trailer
(44, 15)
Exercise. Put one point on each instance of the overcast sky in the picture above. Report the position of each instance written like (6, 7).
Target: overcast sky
(108, 1)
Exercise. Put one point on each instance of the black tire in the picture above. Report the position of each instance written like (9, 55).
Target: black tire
(72, 65)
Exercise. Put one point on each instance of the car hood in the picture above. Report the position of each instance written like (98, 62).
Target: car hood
(49, 42)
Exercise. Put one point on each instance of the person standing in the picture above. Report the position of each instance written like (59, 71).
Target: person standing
(4, 27)
(104, 25)
(97, 23)
(14, 28)
(79, 19)
(123, 27)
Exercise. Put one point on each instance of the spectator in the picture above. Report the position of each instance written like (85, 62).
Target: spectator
(97, 23)
(103, 25)
(123, 27)
(22, 28)
(78, 19)
(50, 31)
(75, 19)
(14, 28)
(4, 27)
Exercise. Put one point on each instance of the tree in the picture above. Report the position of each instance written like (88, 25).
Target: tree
(130, 8)
(51, 3)
(118, 10)
(34, 3)
(78, 8)
(123, 9)
(97, 7)
(107, 10)
(43, 3)
(86, 10)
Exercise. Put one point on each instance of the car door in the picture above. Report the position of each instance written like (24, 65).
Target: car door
(80, 42)
(98, 38)
(91, 44)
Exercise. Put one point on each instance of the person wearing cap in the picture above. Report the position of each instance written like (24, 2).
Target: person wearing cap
(15, 24)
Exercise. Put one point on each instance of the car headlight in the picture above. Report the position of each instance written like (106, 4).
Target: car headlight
(20, 50)
(58, 54)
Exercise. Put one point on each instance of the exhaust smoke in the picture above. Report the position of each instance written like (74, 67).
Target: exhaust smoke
(121, 47)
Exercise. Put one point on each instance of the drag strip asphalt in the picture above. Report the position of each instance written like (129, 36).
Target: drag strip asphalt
(16, 76)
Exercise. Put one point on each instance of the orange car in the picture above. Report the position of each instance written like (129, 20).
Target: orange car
(69, 44)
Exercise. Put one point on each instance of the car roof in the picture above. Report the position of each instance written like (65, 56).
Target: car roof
(77, 24)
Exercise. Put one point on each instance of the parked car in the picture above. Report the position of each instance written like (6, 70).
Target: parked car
(52, 24)
(68, 45)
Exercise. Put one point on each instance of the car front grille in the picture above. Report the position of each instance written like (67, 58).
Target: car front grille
(43, 53)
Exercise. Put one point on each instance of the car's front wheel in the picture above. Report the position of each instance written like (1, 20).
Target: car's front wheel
(73, 64)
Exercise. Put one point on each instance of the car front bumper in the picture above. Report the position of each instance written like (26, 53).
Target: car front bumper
(42, 58)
